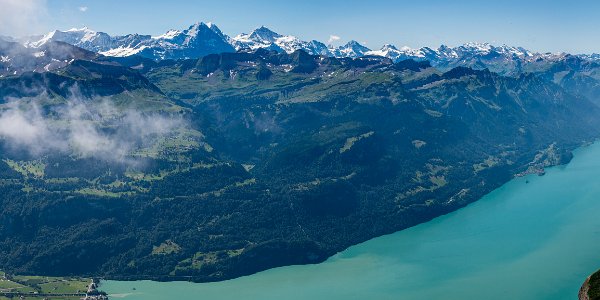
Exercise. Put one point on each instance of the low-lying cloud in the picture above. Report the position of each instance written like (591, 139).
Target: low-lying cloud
(25, 128)
(100, 130)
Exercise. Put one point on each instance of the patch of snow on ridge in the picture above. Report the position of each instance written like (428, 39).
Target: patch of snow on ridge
(36, 44)
(123, 51)
(168, 35)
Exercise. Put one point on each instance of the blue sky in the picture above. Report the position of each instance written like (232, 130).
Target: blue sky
(570, 26)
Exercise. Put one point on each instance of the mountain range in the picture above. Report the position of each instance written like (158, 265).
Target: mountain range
(201, 39)
(252, 152)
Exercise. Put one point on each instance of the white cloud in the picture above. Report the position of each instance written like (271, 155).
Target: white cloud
(83, 8)
(80, 128)
(333, 38)
(21, 17)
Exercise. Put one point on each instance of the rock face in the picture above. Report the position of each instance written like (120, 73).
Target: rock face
(590, 290)
(583, 292)
(16, 59)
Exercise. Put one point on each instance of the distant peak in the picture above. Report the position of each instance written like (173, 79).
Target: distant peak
(197, 25)
(355, 44)
(484, 47)
(476, 44)
(265, 34)
(212, 26)
(82, 29)
(208, 25)
(264, 30)
(389, 47)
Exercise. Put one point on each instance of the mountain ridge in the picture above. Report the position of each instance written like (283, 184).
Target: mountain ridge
(174, 44)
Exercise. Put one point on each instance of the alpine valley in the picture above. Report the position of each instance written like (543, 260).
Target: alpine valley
(198, 156)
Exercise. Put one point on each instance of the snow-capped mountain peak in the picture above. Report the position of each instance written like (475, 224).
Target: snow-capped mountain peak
(81, 37)
(197, 40)
(264, 37)
(405, 52)
(388, 47)
(516, 51)
(168, 35)
(215, 29)
(264, 34)
(196, 27)
(351, 49)
(82, 29)
(201, 39)
(388, 50)
(482, 48)
(192, 32)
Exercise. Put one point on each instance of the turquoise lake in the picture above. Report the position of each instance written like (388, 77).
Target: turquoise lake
(535, 240)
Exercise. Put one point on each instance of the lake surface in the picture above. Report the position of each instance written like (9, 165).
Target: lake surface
(536, 240)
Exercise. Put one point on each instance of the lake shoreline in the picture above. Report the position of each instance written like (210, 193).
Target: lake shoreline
(537, 171)
(531, 264)
(583, 292)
